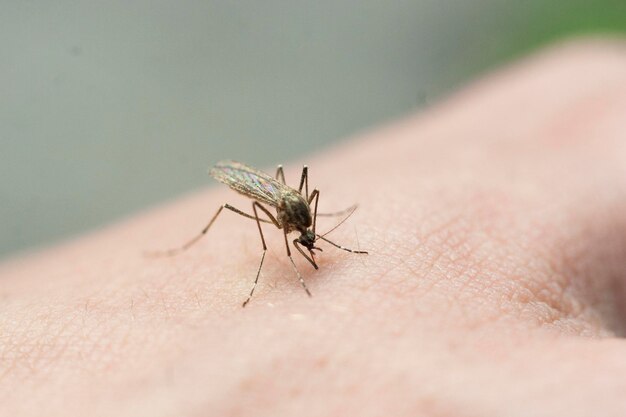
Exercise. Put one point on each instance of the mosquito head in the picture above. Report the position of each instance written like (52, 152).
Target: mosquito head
(307, 239)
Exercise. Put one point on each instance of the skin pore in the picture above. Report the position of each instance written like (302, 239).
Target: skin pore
(495, 283)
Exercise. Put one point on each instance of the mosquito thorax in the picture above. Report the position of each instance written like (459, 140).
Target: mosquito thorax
(294, 213)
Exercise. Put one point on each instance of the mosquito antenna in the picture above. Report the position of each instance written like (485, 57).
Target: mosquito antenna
(341, 222)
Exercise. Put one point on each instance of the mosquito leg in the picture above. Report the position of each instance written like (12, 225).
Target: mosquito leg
(191, 242)
(280, 174)
(304, 181)
(339, 213)
(341, 247)
(271, 217)
(314, 195)
(294, 267)
(258, 272)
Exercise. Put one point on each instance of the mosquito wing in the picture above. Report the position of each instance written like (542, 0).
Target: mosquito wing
(249, 181)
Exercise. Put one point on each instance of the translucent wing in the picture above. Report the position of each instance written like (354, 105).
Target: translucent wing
(249, 181)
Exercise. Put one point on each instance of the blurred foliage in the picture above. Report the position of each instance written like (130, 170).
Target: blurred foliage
(525, 25)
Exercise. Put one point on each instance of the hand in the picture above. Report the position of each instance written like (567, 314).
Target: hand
(495, 283)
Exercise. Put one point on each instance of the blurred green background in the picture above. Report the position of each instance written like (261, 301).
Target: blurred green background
(109, 107)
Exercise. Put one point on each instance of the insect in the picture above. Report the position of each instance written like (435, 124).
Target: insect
(293, 211)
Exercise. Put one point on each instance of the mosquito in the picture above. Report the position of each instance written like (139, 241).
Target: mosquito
(293, 212)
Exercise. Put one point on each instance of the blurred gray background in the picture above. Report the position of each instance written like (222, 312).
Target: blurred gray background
(110, 106)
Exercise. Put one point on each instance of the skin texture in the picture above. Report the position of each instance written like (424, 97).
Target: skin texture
(495, 283)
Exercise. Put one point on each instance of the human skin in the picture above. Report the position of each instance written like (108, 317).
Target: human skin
(495, 283)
